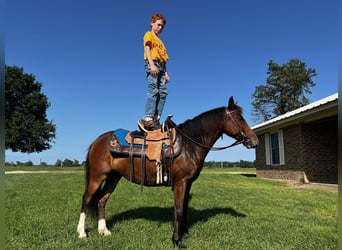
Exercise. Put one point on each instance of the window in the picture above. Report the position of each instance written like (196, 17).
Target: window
(274, 148)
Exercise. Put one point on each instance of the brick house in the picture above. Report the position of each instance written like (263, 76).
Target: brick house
(300, 145)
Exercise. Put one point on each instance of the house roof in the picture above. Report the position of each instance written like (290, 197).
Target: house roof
(320, 109)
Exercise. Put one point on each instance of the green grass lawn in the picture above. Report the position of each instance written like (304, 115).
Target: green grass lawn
(226, 211)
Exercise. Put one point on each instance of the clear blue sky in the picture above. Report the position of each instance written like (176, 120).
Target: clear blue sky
(89, 57)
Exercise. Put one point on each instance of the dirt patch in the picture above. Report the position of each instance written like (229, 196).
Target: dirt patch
(39, 172)
(25, 172)
(326, 187)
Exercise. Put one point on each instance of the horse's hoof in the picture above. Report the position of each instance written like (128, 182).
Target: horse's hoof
(186, 235)
(82, 236)
(179, 244)
(105, 232)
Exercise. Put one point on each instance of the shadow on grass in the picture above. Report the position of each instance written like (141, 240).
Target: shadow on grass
(248, 175)
(162, 215)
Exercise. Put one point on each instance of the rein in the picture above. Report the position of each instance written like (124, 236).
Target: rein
(170, 122)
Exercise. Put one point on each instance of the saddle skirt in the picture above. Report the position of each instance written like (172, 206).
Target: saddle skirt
(155, 144)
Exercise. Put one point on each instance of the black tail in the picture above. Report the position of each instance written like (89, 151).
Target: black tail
(92, 206)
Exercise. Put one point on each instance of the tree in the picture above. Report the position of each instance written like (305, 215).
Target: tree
(67, 163)
(27, 128)
(284, 91)
(76, 163)
(59, 163)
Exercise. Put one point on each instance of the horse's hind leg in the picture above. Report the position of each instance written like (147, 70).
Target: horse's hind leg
(94, 194)
(81, 226)
(108, 187)
(88, 195)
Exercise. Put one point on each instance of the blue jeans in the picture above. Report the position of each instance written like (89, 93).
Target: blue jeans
(156, 92)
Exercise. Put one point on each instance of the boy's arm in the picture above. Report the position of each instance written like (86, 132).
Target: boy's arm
(154, 69)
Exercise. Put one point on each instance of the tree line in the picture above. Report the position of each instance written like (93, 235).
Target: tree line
(76, 163)
(58, 163)
(227, 164)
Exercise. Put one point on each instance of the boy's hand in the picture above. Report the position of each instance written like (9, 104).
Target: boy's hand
(154, 70)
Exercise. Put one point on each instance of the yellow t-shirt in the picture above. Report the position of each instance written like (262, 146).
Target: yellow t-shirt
(158, 50)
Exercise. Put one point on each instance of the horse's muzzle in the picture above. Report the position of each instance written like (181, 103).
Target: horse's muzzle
(250, 142)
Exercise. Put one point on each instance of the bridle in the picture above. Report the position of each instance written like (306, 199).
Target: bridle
(229, 114)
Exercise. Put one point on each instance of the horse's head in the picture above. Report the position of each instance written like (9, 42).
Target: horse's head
(236, 126)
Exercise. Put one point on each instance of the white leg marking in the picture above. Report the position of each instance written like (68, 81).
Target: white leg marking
(103, 228)
(80, 228)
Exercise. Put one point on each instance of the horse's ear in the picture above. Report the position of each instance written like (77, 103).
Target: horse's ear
(231, 103)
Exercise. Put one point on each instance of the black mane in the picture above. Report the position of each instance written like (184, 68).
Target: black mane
(207, 120)
(205, 127)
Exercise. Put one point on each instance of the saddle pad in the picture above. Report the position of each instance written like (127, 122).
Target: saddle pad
(121, 135)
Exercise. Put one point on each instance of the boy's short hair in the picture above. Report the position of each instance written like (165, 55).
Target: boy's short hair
(158, 16)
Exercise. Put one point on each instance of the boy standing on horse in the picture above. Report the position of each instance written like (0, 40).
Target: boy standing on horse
(155, 57)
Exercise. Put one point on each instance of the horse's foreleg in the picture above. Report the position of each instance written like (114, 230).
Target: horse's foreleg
(185, 229)
(109, 186)
(179, 195)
